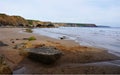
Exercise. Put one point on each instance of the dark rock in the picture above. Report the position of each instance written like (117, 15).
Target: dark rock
(17, 39)
(13, 41)
(45, 55)
(3, 44)
(0, 25)
(63, 37)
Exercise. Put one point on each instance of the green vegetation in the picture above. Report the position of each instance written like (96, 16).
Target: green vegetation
(1, 14)
(28, 30)
(31, 38)
(30, 22)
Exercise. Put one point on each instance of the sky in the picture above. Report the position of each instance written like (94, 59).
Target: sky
(99, 12)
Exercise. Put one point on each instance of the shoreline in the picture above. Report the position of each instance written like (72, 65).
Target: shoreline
(73, 53)
(107, 39)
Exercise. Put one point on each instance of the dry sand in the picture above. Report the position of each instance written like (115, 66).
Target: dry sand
(76, 59)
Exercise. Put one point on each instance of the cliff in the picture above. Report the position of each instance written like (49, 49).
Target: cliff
(75, 25)
(7, 20)
(18, 21)
(37, 23)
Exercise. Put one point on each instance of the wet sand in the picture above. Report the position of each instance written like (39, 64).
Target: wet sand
(76, 59)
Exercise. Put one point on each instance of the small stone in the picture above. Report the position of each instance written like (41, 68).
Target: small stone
(17, 39)
(13, 42)
(63, 37)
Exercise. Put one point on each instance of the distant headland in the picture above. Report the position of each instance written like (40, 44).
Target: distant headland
(18, 21)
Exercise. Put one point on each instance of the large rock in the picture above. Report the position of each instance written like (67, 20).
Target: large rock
(4, 68)
(45, 55)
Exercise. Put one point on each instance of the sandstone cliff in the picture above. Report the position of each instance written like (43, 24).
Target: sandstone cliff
(37, 23)
(7, 20)
(18, 21)
(74, 25)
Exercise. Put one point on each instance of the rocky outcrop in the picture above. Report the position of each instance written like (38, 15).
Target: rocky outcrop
(36, 23)
(45, 55)
(4, 68)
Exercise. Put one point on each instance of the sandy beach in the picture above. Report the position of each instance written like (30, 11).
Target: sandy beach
(76, 59)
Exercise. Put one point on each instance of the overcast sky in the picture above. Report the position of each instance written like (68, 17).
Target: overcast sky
(100, 12)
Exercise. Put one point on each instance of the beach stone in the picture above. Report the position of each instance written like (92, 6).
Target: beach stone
(13, 41)
(45, 55)
(4, 68)
(3, 44)
(17, 39)
(63, 37)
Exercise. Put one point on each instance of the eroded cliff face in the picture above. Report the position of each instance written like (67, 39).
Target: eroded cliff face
(75, 24)
(7, 20)
(18, 21)
(37, 23)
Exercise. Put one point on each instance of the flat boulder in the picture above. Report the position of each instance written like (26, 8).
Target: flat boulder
(45, 55)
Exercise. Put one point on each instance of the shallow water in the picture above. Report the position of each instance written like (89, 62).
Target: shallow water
(108, 38)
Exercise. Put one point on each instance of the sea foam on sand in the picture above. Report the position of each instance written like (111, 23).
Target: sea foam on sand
(108, 38)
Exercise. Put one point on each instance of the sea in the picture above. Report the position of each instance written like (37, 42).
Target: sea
(106, 38)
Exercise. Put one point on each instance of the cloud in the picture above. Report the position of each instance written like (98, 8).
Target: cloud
(103, 12)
